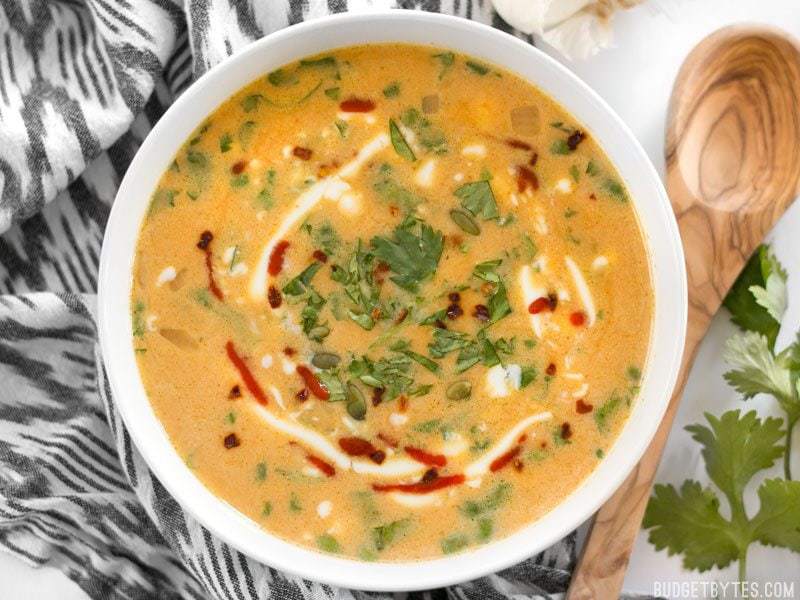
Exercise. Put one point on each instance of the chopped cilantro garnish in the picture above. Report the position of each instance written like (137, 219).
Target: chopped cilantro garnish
(384, 535)
(428, 135)
(392, 90)
(282, 77)
(138, 319)
(477, 197)
(454, 543)
(246, 132)
(476, 67)
(496, 497)
(327, 543)
(341, 127)
(559, 147)
(446, 60)
(614, 188)
(411, 255)
(225, 142)
(240, 180)
(399, 143)
(251, 102)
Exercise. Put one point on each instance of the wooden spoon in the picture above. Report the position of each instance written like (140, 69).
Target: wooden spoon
(733, 167)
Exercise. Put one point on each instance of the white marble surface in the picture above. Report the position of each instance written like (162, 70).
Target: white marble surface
(635, 77)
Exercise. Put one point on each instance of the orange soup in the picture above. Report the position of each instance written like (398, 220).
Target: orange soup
(391, 302)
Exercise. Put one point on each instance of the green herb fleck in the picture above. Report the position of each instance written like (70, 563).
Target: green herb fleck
(477, 68)
(328, 543)
(392, 90)
(454, 543)
(294, 503)
(281, 78)
(251, 102)
(399, 142)
(225, 142)
(477, 197)
(614, 188)
(446, 60)
(341, 127)
(138, 319)
(385, 535)
(559, 147)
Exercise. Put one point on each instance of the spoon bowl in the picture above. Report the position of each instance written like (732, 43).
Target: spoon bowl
(733, 167)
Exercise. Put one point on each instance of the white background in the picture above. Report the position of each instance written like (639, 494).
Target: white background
(636, 78)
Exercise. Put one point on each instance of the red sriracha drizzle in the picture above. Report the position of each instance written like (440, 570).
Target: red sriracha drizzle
(357, 105)
(501, 461)
(249, 381)
(276, 257)
(426, 458)
(421, 487)
(205, 245)
(326, 468)
(312, 383)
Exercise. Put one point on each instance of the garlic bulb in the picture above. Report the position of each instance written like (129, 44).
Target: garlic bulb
(576, 28)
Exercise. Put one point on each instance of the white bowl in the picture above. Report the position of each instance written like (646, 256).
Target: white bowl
(490, 45)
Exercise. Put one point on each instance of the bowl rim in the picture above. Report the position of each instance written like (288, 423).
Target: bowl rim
(114, 303)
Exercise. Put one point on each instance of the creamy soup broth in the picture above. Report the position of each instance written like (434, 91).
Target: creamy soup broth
(391, 302)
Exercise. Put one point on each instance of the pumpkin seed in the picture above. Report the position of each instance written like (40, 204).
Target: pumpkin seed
(464, 221)
(325, 360)
(459, 390)
(356, 404)
(319, 333)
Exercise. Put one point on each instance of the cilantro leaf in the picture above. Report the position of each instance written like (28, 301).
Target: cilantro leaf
(428, 135)
(299, 284)
(402, 347)
(746, 311)
(399, 142)
(755, 370)
(359, 285)
(498, 304)
(384, 535)
(772, 295)
(330, 379)
(487, 270)
(412, 257)
(386, 186)
(736, 447)
(778, 519)
(477, 197)
(496, 497)
(392, 373)
(446, 341)
(689, 523)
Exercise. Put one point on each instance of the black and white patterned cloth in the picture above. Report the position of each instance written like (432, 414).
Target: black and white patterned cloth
(81, 84)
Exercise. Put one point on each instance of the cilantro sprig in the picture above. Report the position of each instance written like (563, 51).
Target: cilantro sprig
(757, 302)
(688, 520)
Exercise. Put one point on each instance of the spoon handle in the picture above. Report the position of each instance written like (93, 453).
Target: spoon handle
(601, 569)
